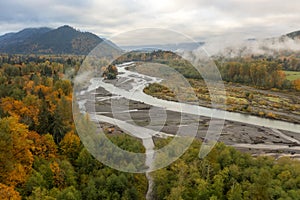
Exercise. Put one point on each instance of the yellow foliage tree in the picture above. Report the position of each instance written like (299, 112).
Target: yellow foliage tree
(58, 176)
(19, 109)
(71, 146)
(15, 156)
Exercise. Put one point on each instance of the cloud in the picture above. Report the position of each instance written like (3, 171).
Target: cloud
(197, 18)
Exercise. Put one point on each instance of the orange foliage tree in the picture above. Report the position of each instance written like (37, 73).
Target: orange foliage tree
(43, 145)
(297, 84)
(8, 193)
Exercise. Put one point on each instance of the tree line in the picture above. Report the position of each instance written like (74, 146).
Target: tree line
(261, 72)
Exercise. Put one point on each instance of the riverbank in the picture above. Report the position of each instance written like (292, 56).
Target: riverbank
(284, 106)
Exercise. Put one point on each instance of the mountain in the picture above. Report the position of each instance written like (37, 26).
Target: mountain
(294, 35)
(63, 40)
(168, 47)
(24, 34)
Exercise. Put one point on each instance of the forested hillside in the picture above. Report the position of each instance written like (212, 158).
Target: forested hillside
(63, 40)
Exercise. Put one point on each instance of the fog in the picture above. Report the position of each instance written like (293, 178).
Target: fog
(238, 46)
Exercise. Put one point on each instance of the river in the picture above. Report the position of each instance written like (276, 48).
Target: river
(139, 81)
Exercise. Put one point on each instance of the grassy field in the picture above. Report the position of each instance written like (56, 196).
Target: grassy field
(292, 75)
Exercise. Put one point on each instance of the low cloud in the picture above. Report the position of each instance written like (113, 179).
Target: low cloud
(199, 19)
(237, 46)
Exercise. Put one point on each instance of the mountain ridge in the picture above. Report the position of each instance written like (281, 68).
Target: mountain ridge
(62, 40)
(294, 35)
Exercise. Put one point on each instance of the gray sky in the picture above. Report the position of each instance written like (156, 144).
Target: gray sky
(198, 19)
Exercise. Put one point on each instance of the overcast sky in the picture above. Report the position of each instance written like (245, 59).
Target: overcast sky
(198, 19)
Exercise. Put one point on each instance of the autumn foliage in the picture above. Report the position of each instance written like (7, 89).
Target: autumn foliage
(8, 193)
(297, 84)
(41, 155)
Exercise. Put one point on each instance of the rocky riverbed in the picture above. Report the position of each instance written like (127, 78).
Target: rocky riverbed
(254, 139)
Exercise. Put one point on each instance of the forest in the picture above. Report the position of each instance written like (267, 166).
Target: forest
(227, 174)
(42, 157)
